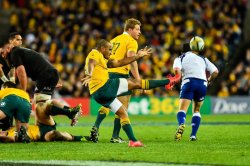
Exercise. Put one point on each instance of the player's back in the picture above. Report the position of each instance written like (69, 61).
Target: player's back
(193, 66)
(100, 73)
(14, 91)
(33, 62)
(121, 45)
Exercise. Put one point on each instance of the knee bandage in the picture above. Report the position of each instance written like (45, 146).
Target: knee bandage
(39, 97)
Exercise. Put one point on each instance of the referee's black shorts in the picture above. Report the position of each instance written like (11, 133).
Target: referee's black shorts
(47, 83)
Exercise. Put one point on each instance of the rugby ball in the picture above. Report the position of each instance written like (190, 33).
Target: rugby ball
(196, 44)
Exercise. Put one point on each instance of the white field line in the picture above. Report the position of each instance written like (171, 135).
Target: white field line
(81, 163)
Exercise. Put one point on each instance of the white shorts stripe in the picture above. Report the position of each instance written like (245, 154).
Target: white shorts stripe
(123, 86)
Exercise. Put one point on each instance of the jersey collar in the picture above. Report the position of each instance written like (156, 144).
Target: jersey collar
(126, 33)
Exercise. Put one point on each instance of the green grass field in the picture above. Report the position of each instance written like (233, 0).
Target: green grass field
(222, 140)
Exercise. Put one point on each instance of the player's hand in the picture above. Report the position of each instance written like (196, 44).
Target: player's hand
(86, 80)
(145, 51)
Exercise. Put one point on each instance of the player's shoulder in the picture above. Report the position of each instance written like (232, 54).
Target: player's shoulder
(94, 54)
(124, 36)
(17, 50)
(182, 55)
(118, 38)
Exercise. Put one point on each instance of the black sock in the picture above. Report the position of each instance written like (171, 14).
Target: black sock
(66, 107)
(117, 128)
(59, 111)
(77, 138)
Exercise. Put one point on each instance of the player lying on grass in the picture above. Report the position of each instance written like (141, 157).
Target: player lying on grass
(47, 124)
(105, 90)
(45, 130)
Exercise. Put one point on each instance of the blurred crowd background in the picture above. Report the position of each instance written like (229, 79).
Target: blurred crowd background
(64, 31)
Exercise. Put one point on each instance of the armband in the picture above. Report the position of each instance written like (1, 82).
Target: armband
(4, 79)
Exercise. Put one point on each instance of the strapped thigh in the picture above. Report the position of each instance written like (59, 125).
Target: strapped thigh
(115, 105)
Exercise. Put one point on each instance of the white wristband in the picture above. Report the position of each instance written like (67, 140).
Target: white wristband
(4, 79)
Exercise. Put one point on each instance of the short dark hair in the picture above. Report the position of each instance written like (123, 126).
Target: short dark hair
(102, 43)
(3, 43)
(185, 47)
(13, 34)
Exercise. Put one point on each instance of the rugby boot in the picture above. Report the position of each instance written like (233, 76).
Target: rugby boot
(75, 112)
(23, 136)
(193, 138)
(172, 81)
(179, 132)
(135, 144)
(117, 140)
(94, 135)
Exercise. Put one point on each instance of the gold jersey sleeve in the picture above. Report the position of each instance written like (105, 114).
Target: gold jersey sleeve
(34, 132)
(11, 132)
(13, 91)
(121, 45)
(100, 73)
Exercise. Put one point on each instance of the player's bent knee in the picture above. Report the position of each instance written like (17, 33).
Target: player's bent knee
(104, 110)
(121, 113)
(134, 83)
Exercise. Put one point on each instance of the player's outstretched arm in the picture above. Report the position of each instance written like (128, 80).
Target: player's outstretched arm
(127, 60)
